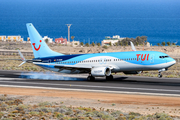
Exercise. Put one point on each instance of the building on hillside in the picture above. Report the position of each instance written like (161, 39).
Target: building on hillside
(75, 43)
(48, 39)
(61, 41)
(28, 40)
(2, 38)
(14, 39)
(113, 40)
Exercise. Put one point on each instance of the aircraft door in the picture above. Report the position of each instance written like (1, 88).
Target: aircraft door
(152, 58)
(102, 61)
(49, 61)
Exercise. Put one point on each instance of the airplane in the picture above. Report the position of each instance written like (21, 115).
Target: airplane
(96, 64)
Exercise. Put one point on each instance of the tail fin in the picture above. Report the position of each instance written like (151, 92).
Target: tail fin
(40, 48)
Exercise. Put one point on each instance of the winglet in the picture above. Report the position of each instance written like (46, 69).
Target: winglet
(132, 46)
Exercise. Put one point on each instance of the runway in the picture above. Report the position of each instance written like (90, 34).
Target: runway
(120, 84)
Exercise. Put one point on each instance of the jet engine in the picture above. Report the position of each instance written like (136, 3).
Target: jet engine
(100, 71)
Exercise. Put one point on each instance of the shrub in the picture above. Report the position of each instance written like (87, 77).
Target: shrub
(100, 114)
(21, 107)
(116, 44)
(89, 114)
(105, 47)
(1, 114)
(98, 44)
(61, 102)
(44, 109)
(60, 110)
(59, 115)
(2, 98)
(93, 44)
(34, 113)
(81, 43)
(121, 118)
(131, 117)
(116, 113)
(87, 44)
(45, 104)
(113, 104)
(163, 43)
(68, 113)
(158, 44)
(133, 113)
(110, 44)
(107, 117)
(168, 43)
(163, 116)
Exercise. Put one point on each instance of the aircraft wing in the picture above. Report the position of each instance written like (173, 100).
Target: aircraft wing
(72, 68)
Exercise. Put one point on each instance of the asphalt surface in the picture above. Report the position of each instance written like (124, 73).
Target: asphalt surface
(120, 84)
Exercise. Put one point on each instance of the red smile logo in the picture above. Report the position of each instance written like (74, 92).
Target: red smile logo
(38, 47)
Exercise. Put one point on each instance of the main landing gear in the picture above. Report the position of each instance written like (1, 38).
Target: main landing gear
(92, 78)
(109, 77)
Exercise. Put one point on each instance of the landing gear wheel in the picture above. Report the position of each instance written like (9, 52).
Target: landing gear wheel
(90, 78)
(109, 77)
(160, 75)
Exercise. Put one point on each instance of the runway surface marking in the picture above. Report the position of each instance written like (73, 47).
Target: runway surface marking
(85, 86)
(87, 90)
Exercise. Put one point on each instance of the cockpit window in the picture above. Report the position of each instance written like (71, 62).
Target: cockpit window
(163, 56)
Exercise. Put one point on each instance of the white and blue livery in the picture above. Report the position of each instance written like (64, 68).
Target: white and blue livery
(97, 64)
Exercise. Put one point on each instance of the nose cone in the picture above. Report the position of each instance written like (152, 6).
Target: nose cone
(172, 61)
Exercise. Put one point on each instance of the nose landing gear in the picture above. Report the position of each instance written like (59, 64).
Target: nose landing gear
(159, 75)
(161, 70)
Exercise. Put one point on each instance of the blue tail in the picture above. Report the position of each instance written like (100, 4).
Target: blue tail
(40, 48)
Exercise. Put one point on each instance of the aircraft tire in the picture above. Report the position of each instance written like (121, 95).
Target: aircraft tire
(159, 76)
(90, 78)
(109, 77)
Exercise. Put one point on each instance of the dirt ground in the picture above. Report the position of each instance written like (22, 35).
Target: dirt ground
(123, 102)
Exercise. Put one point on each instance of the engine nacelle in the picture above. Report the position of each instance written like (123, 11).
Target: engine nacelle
(100, 71)
(132, 72)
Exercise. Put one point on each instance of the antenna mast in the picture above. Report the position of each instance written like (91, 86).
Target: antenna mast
(68, 25)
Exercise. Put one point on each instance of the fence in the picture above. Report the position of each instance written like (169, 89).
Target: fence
(15, 53)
